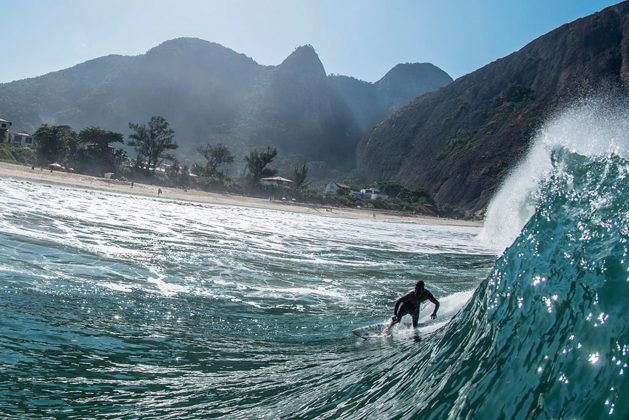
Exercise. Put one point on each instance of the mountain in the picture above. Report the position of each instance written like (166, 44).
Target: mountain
(211, 93)
(398, 86)
(459, 142)
(372, 102)
(295, 109)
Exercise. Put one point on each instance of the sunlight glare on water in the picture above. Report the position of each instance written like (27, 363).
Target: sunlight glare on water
(125, 305)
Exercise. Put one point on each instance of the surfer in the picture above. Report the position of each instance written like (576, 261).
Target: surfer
(410, 302)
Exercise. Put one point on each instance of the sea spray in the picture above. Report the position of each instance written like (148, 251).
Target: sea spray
(595, 126)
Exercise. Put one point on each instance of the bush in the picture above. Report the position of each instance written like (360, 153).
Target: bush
(17, 154)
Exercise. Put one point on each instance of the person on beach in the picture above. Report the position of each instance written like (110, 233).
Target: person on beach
(409, 304)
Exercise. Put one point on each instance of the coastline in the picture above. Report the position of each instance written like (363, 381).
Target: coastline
(17, 171)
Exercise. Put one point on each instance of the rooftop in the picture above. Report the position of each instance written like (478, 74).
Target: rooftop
(276, 178)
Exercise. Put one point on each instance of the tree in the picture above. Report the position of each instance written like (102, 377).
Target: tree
(257, 162)
(99, 155)
(184, 179)
(299, 176)
(179, 175)
(120, 155)
(216, 156)
(99, 139)
(74, 155)
(173, 171)
(53, 142)
(151, 142)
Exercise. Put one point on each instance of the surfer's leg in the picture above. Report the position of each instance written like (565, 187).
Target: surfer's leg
(415, 316)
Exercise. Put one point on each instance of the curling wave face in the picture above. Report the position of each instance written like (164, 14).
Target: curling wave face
(546, 334)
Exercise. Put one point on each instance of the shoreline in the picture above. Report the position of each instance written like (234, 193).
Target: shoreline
(44, 176)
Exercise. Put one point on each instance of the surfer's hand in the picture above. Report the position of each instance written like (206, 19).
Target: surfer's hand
(433, 316)
(394, 319)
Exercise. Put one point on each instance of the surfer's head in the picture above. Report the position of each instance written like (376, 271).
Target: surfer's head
(419, 287)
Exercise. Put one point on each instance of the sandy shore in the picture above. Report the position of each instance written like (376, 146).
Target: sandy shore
(8, 170)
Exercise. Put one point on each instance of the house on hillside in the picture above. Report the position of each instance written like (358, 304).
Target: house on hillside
(373, 194)
(337, 188)
(275, 181)
(22, 139)
(4, 130)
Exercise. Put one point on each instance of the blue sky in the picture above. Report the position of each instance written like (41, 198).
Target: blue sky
(360, 38)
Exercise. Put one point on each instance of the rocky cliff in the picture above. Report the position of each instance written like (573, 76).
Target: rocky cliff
(459, 142)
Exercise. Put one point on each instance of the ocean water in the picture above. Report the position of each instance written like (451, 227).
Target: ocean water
(132, 306)
(118, 306)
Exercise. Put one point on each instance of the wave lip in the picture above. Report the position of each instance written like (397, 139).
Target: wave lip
(593, 126)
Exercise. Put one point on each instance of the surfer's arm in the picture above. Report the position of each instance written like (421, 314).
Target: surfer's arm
(397, 306)
(436, 303)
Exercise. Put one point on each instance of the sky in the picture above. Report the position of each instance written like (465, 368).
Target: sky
(359, 38)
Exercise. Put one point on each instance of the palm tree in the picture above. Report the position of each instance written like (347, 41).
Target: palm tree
(257, 162)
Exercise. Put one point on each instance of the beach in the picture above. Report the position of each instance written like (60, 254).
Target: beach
(39, 175)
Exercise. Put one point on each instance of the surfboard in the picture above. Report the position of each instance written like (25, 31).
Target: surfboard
(380, 329)
(371, 331)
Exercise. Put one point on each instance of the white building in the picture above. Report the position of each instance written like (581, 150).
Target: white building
(373, 194)
(4, 130)
(275, 181)
(22, 139)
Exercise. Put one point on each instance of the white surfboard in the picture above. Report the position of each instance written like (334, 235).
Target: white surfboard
(380, 329)
(371, 331)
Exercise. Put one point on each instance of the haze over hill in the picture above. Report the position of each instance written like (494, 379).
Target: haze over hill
(211, 93)
(459, 142)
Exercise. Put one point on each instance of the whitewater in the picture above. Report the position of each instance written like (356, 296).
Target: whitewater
(122, 306)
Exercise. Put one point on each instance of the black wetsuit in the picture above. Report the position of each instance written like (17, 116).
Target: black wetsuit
(409, 305)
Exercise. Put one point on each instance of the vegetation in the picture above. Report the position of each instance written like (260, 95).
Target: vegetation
(54, 142)
(17, 154)
(92, 151)
(97, 155)
(88, 152)
(400, 199)
(179, 175)
(257, 163)
(216, 157)
(151, 142)
(299, 176)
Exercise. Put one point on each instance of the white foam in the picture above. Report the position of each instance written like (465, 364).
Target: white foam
(590, 127)
(449, 306)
